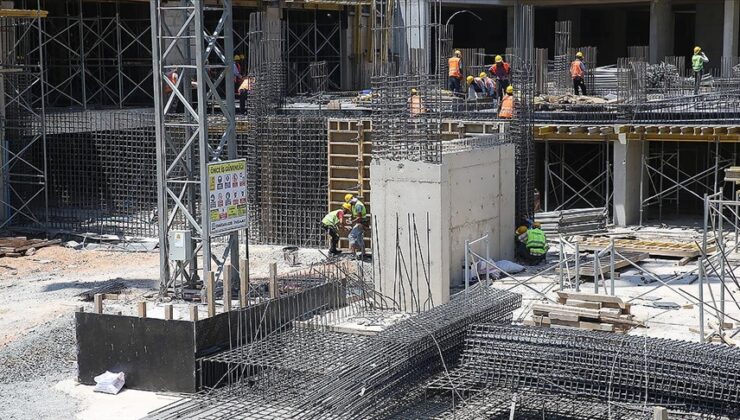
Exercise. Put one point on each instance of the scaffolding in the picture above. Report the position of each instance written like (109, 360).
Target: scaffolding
(188, 53)
(24, 190)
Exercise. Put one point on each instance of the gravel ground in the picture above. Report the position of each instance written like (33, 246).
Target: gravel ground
(32, 365)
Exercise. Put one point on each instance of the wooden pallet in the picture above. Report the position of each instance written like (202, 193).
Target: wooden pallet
(19, 246)
(654, 248)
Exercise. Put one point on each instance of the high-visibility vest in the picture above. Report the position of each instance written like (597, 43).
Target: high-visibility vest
(359, 209)
(454, 65)
(575, 69)
(536, 241)
(507, 107)
(332, 218)
(501, 71)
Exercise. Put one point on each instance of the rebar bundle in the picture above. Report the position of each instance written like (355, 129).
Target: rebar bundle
(629, 369)
(323, 374)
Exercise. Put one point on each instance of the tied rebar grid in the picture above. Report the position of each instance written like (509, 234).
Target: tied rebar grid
(370, 379)
(563, 56)
(689, 376)
(522, 125)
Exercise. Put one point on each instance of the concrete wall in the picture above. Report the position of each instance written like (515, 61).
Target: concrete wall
(469, 194)
(627, 168)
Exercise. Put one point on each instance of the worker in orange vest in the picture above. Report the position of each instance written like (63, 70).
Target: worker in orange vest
(454, 73)
(501, 71)
(506, 107)
(578, 72)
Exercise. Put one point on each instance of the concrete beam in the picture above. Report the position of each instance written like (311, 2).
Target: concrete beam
(661, 30)
(627, 170)
(731, 27)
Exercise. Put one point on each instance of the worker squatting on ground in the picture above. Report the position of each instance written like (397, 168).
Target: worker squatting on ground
(578, 72)
(332, 222)
(501, 71)
(697, 64)
(506, 107)
(455, 72)
(360, 221)
(531, 244)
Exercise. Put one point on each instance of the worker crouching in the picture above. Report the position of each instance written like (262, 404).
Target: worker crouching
(506, 107)
(531, 244)
(332, 222)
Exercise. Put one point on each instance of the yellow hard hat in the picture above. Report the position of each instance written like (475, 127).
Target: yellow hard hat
(697, 50)
(521, 229)
(237, 57)
(414, 91)
(347, 206)
(579, 54)
(499, 59)
(482, 74)
(348, 197)
(536, 224)
(457, 52)
(469, 79)
(510, 89)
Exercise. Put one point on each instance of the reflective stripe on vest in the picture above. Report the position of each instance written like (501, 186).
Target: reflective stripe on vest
(575, 69)
(536, 241)
(507, 107)
(454, 65)
(331, 219)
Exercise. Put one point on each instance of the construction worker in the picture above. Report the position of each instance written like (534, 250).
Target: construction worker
(521, 242)
(489, 87)
(506, 107)
(245, 88)
(501, 71)
(415, 105)
(578, 72)
(697, 64)
(536, 244)
(237, 69)
(359, 212)
(473, 88)
(331, 224)
(454, 72)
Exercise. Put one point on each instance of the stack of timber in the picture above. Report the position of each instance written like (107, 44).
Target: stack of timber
(585, 311)
(732, 174)
(20, 246)
(603, 267)
(573, 221)
(655, 248)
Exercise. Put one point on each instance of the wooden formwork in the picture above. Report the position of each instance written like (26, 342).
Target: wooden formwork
(350, 147)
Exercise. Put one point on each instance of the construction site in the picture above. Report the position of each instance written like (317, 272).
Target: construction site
(369, 209)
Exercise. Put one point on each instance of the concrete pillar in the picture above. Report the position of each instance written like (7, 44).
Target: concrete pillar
(730, 30)
(627, 170)
(661, 30)
(415, 15)
(510, 23)
(573, 14)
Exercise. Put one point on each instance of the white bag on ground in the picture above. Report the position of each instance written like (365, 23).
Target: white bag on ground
(109, 382)
(509, 267)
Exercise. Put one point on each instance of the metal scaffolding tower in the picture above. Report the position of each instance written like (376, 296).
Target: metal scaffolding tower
(193, 67)
(23, 181)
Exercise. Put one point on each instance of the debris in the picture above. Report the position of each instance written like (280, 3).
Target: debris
(652, 247)
(624, 259)
(109, 382)
(108, 288)
(73, 245)
(574, 221)
(19, 246)
(585, 311)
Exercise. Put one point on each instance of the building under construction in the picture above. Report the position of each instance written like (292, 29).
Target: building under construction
(127, 119)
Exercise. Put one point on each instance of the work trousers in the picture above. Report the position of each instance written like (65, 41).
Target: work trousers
(453, 83)
(501, 86)
(578, 82)
(697, 80)
(243, 101)
(332, 231)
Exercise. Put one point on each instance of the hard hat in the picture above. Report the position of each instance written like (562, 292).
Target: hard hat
(521, 229)
(237, 57)
(414, 91)
(457, 52)
(347, 206)
(469, 79)
(579, 54)
(482, 74)
(348, 197)
(536, 224)
(697, 50)
(510, 89)
(499, 59)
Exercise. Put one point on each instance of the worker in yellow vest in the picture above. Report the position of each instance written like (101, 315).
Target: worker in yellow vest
(332, 222)
(577, 73)
(455, 72)
(506, 107)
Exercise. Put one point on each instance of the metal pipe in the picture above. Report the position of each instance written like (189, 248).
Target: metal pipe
(611, 265)
(578, 269)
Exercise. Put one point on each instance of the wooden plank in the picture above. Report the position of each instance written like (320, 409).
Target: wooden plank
(583, 304)
(596, 326)
(591, 297)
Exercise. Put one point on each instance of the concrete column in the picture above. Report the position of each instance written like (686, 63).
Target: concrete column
(730, 30)
(510, 23)
(627, 170)
(415, 15)
(661, 30)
